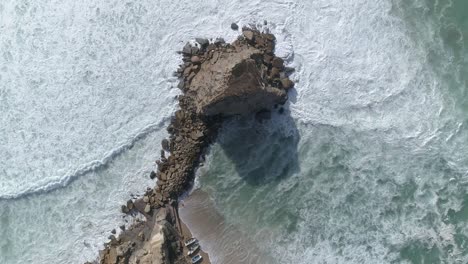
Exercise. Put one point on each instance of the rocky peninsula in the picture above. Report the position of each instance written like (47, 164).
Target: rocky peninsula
(218, 80)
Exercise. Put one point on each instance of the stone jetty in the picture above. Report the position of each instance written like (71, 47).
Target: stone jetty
(218, 80)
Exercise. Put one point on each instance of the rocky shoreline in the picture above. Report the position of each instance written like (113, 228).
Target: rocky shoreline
(218, 80)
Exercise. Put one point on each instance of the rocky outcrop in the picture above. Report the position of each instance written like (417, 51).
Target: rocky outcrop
(239, 78)
(217, 80)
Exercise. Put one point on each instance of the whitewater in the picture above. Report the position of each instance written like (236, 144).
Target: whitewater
(368, 165)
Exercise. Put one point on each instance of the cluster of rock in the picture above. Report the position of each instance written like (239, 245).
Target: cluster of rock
(239, 78)
(217, 80)
(151, 242)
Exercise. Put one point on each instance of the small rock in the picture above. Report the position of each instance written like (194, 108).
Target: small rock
(187, 49)
(113, 231)
(122, 227)
(274, 72)
(145, 199)
(249, 35)
(152, 175)
(265, 22)
(288, 70)
(234, 26)
(219, 41)
(147, 208)
(203, 42)
(125, 209)
(130, 204)
(281, 110)
(195, 59)
(267, 59)
(165, 144)
(286, 83)
(277, 62)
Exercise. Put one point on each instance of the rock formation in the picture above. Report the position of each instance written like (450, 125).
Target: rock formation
(217, 80)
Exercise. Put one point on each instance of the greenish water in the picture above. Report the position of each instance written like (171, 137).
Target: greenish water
(360, 172)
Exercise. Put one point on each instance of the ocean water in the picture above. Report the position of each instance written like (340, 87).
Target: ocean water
(368, 165)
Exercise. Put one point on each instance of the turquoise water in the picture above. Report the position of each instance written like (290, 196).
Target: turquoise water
(387, 182)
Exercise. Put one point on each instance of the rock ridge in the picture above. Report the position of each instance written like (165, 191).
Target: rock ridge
(217, 80)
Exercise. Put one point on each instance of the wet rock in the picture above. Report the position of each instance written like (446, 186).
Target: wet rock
(286, 83)
(130, 204)
(152, 175)
(203, 42)
(274, 72)
(124, 209)
(277, 62)
(113, 231)
(219, 41)
(187, 50)
(234, 26)
(165, 144)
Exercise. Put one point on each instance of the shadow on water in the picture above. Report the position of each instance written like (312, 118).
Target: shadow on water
(262, 150)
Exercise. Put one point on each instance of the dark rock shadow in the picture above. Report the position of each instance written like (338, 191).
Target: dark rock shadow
(263, 151)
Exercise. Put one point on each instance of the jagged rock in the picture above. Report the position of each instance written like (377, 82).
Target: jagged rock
(203, 42)
(249, 35)
(233, 85)
(234, 26)
(113, 231)
(130, 204)
(277, 62)
(165, 144)
(125, 209)
(287, 83)
(152, 175)
(187, 49)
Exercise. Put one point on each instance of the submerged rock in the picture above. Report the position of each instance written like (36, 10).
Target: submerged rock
(234, 26)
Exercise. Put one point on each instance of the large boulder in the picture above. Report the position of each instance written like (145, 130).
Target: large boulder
(233, 83)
